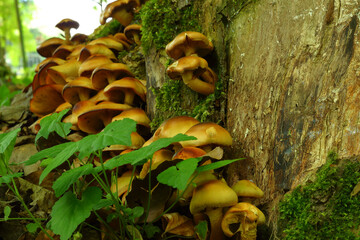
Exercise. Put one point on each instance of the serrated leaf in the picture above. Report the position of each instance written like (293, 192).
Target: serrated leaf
(68, 212)
(69, 177)
(7, 143)
(60, 158)
(52, 123)
(7, 211)
(143, 154)
(32, 227)
(178, 176)
(201, 230)
(51, 152)
(117, 132)
(7, 178)
(216, 165)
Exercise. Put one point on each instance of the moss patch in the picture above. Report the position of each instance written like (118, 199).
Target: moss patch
(324, 209)
(162, 21)
(111, 27)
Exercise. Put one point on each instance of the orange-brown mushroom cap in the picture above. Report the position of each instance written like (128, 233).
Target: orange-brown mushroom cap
(126, 90)
(133, 32)
(87, 67)
(190, 69)
(46, 99)
(77, 90)
(188, 43)
(95, 118)
(121, 10)
(108, 73)
(47, 48)
(97, 49)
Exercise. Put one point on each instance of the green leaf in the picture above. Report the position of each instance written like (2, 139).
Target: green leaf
(178, 176)
(69, 177)
(117, 132)
(151, 230)
(143, 154)
(7, 178)
(201, 230)
(52, 123)
(32, 227)
(51, 152)
(68, 212)
(7, 211)
(216, 165)
(103, 203)
(64, 155)
(7, 143)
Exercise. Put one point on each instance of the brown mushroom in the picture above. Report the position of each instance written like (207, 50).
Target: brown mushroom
(79, 89)
(109, 41)
(87, 67)
(65, 25)
(191, 69)
(210, 198)
(139, 116)
(63, 51)
(133, 32)
(242, 217)
(247, 191)
(208, 134)
(108, 73)
(121, 10)
(159, 157)
(65, 72)
(97, 49)
(127, 90)
(47, 47)
(178, 224)
(189, 43)
(46, 99)
(79, 38)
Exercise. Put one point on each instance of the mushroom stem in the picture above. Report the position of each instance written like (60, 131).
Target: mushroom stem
(129, 97)
(84, 95)
(215, 217)
(67, 35)
(197, 84)
(137, 39)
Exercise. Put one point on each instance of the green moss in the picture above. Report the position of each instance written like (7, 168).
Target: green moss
(168, 103)
(162, 21)
(324, 209)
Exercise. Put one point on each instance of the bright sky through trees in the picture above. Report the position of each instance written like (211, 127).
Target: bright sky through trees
(49, 12)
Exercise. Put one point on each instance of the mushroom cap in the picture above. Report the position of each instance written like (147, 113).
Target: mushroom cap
(96, 117)
(246, 188)
(109, 41)
(122, 37)
(62, 73)
(114, 90)
(122, 184)
(121, 10)
(67, 23)
(43, 76)
(63, 51)
(159, 157)
(212, 194)
(48, 46)
(79, 38)
(96, 49)
(195, 64)
(107, 73)
(206, 134)
(76, 52)
(131, 30)
(178, 224)
(87, 67)
(189, 152)
(136, 114)
(243, 213)
(75, 89)
(187, 43)
(78, 109)
(46, 99)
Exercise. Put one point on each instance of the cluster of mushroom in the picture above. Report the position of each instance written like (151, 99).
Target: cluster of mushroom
(209, 196)
(86, 78)
(187, 49)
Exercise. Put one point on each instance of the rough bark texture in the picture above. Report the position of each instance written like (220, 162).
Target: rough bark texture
(292, 73)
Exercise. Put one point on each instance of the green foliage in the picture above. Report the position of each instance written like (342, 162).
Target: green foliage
(162, 21)
(201, 230)
(52, 123)
(6, 95)
(68, 212)
(324, 209)
(107, 29)
(7, 143)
